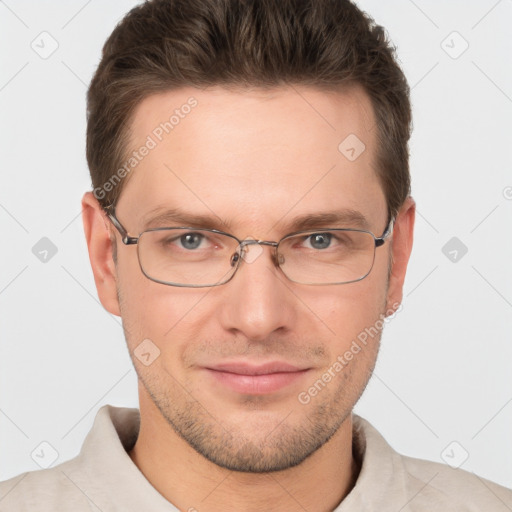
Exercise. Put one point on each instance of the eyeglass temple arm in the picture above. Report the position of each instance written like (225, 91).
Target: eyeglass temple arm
(125, 237)
(380, 240)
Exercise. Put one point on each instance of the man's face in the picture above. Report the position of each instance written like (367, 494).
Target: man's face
(255, 160)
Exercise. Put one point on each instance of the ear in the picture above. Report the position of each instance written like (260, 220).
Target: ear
(401, 247)
(97, 234)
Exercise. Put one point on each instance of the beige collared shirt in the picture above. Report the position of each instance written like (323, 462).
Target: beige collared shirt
(104, 478)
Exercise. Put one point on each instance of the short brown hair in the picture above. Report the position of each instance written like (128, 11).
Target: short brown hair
(162, 45)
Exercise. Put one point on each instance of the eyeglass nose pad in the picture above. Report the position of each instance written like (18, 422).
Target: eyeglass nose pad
(279, 259)
(234, 259)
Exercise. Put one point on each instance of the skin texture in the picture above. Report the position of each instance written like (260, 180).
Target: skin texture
(255, 159)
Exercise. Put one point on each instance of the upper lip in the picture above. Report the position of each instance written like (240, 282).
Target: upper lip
(242, 368)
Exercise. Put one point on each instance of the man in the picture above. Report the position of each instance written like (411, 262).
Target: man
(255, 153)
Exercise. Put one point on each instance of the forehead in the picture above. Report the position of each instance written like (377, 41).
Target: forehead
(254, 156)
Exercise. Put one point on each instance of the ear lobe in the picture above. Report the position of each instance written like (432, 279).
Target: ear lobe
(99, 244)
(401, 251)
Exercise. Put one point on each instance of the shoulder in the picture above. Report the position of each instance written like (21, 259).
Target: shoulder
(44, 490)
(100, 477)
(441, 485)
(419, 485)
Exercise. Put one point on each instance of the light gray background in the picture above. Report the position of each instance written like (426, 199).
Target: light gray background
(444, 369)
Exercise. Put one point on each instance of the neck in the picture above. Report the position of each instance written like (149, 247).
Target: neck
(193, 483)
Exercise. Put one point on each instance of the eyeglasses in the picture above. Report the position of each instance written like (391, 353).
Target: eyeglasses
(196, 258)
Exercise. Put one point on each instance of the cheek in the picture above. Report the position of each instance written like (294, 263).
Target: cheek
(362, 298)
(148, 309)
(345, 311)
(170, 317)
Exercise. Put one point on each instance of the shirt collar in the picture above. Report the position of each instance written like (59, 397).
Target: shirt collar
(381, 482)
(110, 479)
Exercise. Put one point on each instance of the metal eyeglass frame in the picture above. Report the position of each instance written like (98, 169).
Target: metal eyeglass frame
(236, 259)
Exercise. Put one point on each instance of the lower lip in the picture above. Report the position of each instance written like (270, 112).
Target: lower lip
(256, 384)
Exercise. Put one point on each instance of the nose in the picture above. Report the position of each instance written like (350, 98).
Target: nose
(257, 301)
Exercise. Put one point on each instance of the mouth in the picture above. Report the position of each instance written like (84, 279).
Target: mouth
(251, 379)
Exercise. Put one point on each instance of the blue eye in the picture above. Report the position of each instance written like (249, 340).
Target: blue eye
(191, 240)
(320, 240)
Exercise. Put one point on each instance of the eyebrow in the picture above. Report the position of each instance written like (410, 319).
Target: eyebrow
(172, 216)
(175, 216)
(347, 218)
